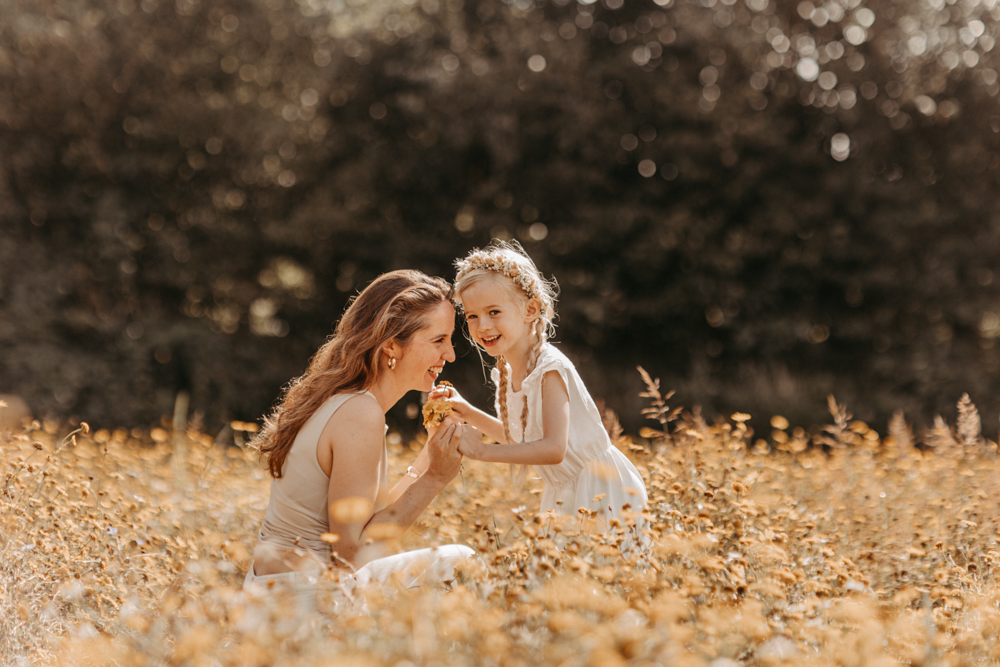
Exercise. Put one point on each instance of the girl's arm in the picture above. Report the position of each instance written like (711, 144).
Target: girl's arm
(550, 450)
(354, 478)
(488, 424)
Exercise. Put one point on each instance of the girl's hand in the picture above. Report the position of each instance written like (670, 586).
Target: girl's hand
(460, 406)
(471, 442)
(444, 458)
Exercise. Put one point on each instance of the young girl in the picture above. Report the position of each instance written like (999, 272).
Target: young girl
(547, 417)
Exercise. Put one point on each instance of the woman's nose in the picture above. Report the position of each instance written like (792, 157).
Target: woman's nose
(449, 353)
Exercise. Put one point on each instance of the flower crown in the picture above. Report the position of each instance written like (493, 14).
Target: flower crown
(485, 261)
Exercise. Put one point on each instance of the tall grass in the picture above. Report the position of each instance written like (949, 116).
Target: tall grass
(838, 547)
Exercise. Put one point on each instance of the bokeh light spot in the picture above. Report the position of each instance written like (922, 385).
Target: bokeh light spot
(465, 221)
(840, 147)
(538, 231)
(807, 69)
(309, 97)
(925, 105)
(864, 16)
(819, 333)
(855, 34)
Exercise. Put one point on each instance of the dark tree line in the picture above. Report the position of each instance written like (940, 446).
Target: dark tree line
(761, 202)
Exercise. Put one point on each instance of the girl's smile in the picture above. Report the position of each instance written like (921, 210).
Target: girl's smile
(498, 323)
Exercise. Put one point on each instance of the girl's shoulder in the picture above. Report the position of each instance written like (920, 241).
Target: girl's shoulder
(552, 358)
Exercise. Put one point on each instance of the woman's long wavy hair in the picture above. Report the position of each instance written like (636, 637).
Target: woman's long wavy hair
(393, 307)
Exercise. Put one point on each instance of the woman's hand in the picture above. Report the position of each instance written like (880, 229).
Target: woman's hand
(459, 405)
(444, 459)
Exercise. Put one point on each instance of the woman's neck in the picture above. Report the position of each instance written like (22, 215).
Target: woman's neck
(386, 392)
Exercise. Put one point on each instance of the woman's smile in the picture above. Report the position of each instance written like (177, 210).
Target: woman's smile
(429, 349)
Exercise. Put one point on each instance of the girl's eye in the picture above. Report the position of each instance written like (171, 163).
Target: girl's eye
(494, 312)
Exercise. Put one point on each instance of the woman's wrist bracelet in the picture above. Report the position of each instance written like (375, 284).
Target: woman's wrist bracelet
(412, 473)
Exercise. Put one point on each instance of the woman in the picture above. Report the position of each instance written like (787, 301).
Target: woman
(325, 445)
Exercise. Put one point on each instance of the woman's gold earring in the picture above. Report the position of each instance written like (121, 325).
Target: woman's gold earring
(392, 363)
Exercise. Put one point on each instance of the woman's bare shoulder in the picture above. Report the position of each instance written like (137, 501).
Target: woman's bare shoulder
(361, 412)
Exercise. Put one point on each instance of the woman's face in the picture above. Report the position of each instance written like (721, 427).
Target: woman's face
(425, 354)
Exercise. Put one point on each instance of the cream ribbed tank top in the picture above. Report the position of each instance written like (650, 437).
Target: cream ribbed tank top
(297, 509)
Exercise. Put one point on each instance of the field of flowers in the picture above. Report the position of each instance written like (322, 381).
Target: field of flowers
(832, 547)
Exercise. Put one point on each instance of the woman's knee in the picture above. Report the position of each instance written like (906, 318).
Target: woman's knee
(456, 551)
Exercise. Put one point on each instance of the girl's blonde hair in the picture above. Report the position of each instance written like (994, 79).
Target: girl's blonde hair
(393, 307)
(524, 282)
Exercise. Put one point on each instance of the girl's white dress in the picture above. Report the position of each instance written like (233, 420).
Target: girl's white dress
(594, 474)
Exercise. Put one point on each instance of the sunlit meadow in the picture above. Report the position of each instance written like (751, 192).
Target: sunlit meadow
(837, 546)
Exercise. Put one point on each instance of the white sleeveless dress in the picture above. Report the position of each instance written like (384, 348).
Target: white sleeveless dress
(594, 474)
(297, 517)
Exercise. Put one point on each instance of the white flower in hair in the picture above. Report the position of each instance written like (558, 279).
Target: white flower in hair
(503, 265)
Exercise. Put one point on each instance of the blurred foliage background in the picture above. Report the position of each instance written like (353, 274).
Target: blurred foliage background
(760, 201)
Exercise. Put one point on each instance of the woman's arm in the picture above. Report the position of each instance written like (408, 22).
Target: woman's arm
(354, 479)
(550, 450)
(419, 467)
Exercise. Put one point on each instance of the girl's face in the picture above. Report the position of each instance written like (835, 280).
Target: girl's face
(422, 359)
(498, 322)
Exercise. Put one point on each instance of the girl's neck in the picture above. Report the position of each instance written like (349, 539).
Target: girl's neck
(518, 360)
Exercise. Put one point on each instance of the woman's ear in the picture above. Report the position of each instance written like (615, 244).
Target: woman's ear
(392, 350)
